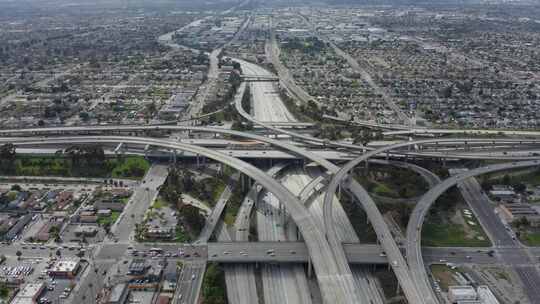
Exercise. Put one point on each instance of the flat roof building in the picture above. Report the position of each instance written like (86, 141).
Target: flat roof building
(29, 293)
(458, 294)
(137, 267)
(65, 268)
(119, 294)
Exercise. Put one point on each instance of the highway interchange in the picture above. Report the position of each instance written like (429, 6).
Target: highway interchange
(304, 198)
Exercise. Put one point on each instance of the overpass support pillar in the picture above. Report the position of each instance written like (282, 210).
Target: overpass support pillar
(220, 169)
(146, 149)
(309, 270)
(367, 167)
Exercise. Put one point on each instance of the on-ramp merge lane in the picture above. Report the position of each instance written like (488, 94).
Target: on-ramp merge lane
(335, 287)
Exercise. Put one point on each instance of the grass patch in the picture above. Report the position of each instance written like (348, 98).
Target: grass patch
(438, 234)
(133, 167)
(104, 220)
(444, 275)
(158, 203)
(392, 182)
(229, 219)
(181, 236)
(217, 191)
(530, 238)
(447, 226)
(384, 190)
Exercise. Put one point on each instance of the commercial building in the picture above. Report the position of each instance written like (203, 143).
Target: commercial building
(137, 267)
(119, 294)
(29, 293)
(86, 230)
(458, 294)
(513, 212)
(159, 233)
(65, 268)
(162, 299)
(18, 227)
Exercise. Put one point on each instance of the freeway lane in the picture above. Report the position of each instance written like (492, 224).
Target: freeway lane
(281, 283)
(335, 283)
(414, 227)
(142, 129)
(383, 232)
(241, 286)
(190, 282)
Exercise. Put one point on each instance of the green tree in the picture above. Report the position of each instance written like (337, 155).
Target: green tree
(192, 217)
(7, 158)
(4, 291)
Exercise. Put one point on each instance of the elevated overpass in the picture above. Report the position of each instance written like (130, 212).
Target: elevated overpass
(414, 227)
(464, 132)
(381, 229)
(373, 213)
(240, 252)
(336, 286)
(137, 130)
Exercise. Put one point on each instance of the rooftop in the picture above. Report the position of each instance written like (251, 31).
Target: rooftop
(65, 266)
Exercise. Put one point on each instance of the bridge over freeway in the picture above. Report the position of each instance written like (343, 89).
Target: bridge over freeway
(336, 285)
(391, 150)
(373, 213)
(381, 229)
(258, 78)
